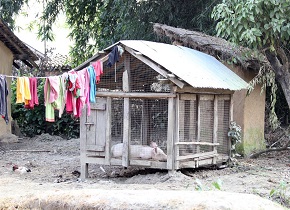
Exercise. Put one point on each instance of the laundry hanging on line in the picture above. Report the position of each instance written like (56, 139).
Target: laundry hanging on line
(70, 91)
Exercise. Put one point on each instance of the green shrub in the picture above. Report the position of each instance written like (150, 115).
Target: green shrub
(32, 121)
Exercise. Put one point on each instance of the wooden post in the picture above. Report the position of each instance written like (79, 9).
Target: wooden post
(83, 133)
(145, 122)
(145, 135)
(198, 122)
(215, 126)
(231, 119)
(176, 136)
(108, 131)
(170, 132)
(127, 114)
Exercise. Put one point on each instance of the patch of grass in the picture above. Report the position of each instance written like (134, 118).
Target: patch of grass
(281, 193)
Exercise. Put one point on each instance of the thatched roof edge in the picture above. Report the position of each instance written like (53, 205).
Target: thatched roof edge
(215, 46)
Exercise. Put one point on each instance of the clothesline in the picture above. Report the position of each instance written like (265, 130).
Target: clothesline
(23, 76)
(70, 90)
(103, 59)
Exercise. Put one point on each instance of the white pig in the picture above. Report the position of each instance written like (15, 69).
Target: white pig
(141, 151)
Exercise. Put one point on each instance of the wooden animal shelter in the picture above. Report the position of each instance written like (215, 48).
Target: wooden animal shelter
(177, 97)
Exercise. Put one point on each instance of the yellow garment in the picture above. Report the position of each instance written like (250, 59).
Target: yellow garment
(22, 90)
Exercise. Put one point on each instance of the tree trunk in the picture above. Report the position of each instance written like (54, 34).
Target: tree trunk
(280, 64)
(284, 81)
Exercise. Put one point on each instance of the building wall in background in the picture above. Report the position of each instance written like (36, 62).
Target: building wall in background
(6, 62)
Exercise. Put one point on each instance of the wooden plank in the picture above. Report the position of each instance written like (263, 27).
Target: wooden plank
(146, 163)
(190, 89)
(181, 119)
(198, 122)
(154, 66)
(207, 97)
(99, 105)
(215, 125)
(95, 154)
(178, 130)
(95, 160)
(187, 96)
(149, 164)
(127, 114)
(120, 94)
(145, 122)
(192, 122)
(196, 164)
(83, 134)
(100, 128)
(95, 148)
(231, 109)
(231, 119)
(91, 128)
(170, 132)
(224, 97)
(198, 155)
(197, 143)
(108, 131)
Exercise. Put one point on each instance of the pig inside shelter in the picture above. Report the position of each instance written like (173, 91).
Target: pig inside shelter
(146, 115)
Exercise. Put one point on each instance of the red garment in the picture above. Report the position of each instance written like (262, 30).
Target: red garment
(33, 92)
(69, 103)
(72, 93)
(98, 66)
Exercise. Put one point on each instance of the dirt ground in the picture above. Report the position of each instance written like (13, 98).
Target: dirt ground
(55, 167)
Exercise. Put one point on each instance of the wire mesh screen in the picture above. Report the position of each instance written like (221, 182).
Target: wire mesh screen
(149, 119)
(206, 123)
(111, 79)
(187, 125)
(145, 79)
(117, 111)
(223, 126)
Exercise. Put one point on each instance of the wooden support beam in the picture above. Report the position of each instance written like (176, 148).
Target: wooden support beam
(170, 134)
(231, 119)
(198, 122)
(135, 95)
(197, 143)
(179, 126)
(215, 125)
(198, 155)
(127, 114)
(155, 66)
(189, 89)
(108, 131)
(83, 133)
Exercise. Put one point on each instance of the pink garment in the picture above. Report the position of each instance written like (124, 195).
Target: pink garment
(63, 82)
(33, 92)
(54, 88)
(84, 92)
(72, 93)
(98, 66)
(52, 97)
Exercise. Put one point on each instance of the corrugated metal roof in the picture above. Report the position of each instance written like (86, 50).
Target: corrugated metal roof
(196, 68)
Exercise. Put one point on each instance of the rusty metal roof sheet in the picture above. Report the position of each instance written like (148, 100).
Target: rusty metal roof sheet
(195, 68)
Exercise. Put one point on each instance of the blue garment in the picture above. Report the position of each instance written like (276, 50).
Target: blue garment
(93, 85)
(113, 56)
(3, 98)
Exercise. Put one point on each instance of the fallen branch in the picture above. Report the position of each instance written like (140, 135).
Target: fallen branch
(29, 151)
(255, 155)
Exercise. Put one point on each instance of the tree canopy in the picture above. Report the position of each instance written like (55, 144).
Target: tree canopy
(96, 24)
(8, 10)
(262, 25)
